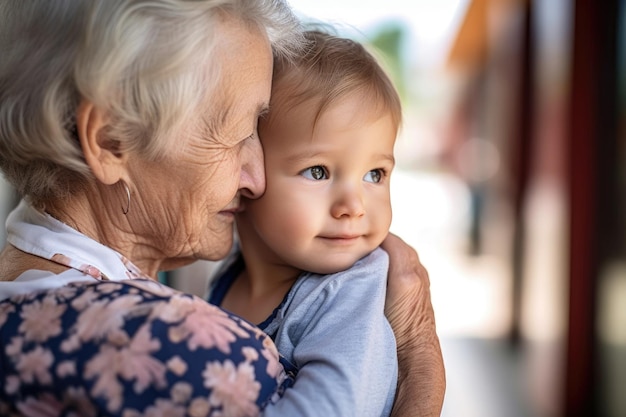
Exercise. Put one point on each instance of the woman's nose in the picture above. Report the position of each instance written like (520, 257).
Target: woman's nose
(252, 182)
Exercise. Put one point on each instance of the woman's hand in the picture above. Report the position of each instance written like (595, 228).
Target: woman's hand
(421, 378)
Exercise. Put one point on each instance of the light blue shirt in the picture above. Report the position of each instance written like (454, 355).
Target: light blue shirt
(333, 328)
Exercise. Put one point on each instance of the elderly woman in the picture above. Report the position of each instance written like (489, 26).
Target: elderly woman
(129, 129)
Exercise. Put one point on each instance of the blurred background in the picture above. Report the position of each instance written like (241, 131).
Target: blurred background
(510, 183)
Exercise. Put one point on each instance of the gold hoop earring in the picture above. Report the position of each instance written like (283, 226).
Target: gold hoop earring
(125, 210)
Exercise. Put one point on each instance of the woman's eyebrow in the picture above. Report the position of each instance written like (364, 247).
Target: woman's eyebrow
(212, 123)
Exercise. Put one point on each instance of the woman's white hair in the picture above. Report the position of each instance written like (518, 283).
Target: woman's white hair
(142, 61)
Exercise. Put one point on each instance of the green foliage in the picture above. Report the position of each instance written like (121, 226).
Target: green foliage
(388, 39)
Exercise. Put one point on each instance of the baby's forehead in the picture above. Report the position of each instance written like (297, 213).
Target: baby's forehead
(309, 125)
(361, 105)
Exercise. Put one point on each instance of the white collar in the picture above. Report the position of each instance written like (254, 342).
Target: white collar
(40, 234)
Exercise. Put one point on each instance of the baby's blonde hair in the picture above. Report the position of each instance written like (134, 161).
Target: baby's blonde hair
(329, 69)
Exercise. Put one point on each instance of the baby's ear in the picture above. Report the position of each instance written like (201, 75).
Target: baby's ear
(102, 154)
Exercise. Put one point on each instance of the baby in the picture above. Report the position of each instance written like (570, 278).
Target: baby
(308, 270)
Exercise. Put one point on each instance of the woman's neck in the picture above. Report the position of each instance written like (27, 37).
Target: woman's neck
(14, 262)
(94, 216)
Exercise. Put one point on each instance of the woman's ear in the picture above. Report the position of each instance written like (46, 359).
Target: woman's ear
(102, 154)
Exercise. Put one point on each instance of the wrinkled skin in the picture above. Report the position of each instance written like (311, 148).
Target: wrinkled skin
(421, 382)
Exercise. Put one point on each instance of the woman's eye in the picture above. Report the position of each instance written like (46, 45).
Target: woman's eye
(253, 136)
(375, 176)
(315, 173)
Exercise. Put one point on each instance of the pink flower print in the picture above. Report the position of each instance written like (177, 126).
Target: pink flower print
(153, 287)
(66, 368)
(258, 333)
(177, 366)
(253, 329)
(102, 320)
(5, 310)
(181, 392)
(233, 388)
(199, 407)
(131, 412)
(43, 406)
(66, 292)
(85, 299)
(136, 361)
(207, 326)
(13, 384)
(164, 408)
(92, 271)
(103, 367)
(133, 362)
(108, 287)
(175, 309)
(71, 344)
(41, 319)
(250, 354)
(15, 347)
(270, 353)
(35, 365)
(46, 405)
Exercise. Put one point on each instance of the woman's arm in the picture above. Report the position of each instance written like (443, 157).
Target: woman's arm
(421, 379)
(130, 347)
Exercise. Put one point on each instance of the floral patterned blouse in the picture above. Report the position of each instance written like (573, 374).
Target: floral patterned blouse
(102, 340)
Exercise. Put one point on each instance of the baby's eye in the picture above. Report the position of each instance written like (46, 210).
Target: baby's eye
(317, 172)
(375, 176)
